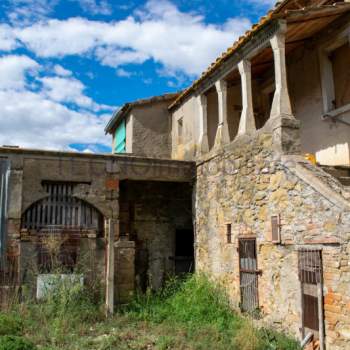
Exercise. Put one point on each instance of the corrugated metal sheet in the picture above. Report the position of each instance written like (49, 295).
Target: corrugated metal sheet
(4, 185)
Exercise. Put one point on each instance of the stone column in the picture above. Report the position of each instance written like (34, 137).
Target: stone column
(13, 246)
(110, 226)
(222, 134)
(281, 106)
(285, 128)
(124, 270)
(247, 121)
(203, 124)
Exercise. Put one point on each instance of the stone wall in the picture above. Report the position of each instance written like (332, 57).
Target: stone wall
(150, 214)
(96, 181)
(244, 185)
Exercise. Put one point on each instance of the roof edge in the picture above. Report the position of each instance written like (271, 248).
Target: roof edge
(127, 107)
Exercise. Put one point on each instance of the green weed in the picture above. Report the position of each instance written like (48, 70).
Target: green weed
(12, 342)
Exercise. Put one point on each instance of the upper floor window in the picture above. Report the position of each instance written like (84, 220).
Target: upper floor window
(120, 138)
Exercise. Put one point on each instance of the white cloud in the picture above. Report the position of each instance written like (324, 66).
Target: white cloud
(28, 119)
(56, 38)
(70, 90)
(50, 108)
(121, 72)
(41, 118)
(61, 71)
(7, 38)
(177, 40)
(270, 3)
(94, 7)
(113, 57)
(66, 90)
(25, 12)
(13, 71)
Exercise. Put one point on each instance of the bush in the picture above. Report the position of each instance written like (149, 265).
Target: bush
(12, 342)
(10, 324)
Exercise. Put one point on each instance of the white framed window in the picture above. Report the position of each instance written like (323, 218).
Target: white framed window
(335, 74)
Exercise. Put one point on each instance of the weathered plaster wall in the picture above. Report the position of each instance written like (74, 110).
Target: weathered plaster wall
(150, 214)
(328, 140)
(129, 133)
(245, 186)
(151, 128)
(189, 114)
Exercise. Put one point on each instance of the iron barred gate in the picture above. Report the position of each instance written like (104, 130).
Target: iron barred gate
(248, 271)
(62, 210)
(310, 276)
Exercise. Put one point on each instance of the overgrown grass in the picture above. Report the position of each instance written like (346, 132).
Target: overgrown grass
(192, 314)
(200, 308)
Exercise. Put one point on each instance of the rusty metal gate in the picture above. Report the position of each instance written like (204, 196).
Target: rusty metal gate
(310, 276)
(248, 271)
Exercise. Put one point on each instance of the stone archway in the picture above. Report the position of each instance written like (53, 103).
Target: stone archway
(63, 230)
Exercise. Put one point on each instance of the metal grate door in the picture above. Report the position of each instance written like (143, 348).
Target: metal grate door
(248, 271)
(310, 276)
(63, 210)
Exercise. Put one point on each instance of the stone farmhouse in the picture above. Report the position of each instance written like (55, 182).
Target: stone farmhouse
(244, 176)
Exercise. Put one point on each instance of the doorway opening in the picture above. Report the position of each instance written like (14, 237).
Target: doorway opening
(184, 252)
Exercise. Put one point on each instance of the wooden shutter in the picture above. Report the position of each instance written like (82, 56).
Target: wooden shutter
(120, 138)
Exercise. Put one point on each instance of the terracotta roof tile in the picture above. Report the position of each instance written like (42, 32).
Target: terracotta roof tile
(280, 8)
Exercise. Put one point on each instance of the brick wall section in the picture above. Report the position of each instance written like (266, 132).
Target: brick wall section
(245, 186)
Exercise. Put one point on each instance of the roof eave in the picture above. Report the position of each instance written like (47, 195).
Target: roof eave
(117, 116)
(240, 44)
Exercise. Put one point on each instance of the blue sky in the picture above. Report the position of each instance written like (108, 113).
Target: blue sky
(66, 65)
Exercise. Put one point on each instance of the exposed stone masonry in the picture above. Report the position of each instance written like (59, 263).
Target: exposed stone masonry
(244, 186)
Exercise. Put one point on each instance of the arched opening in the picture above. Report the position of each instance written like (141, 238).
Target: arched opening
(263, 85)
(58, 223)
